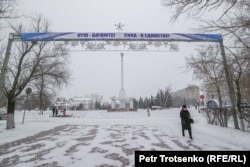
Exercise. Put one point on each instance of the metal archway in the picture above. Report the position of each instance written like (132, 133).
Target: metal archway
(122, 37)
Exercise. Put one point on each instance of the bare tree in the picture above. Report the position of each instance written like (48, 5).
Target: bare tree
(206, 66)
(239, 67)
(167, 96)
(163, 97)
(234, 20)
(236, 27)
(196, 8)
(25, 65)
(54, 75)
(245, 84)
(7, 9)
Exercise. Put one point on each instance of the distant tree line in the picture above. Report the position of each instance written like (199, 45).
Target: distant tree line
(162, 99)
(97, 106)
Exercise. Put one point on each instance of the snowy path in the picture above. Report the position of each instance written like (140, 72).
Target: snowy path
(99, 138)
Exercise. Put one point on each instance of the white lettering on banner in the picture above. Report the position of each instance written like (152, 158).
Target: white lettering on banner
(82, 35)
(130, 35)
(156, 35)
(103, 35)
(146, 35)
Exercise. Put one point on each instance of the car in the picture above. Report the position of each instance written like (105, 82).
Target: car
(3, 114)
(156, 108)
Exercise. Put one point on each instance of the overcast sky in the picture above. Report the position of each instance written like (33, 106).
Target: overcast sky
(99, 72)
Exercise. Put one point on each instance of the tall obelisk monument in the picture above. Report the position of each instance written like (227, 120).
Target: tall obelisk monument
(122, 93)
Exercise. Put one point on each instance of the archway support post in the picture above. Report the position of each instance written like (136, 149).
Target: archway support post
(230, 85)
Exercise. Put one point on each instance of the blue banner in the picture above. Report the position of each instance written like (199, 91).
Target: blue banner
(55, 36)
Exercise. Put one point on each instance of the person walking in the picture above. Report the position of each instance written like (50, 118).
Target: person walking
(185, 121)
(148, 111)
(54, 111)
(64, 112)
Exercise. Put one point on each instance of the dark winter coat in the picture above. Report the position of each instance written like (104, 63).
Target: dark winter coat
(185, 116)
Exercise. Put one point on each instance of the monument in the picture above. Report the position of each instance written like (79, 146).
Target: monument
(125, 103)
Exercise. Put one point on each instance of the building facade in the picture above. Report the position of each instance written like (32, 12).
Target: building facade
(81, 103)
(188, 96)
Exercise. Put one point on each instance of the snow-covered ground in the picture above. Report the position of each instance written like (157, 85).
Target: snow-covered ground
(101, 138)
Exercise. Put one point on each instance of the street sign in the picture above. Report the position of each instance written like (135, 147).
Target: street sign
(202, 97)
(28, 91)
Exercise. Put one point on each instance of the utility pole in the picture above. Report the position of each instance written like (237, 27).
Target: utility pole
(5, 68)
(230, 86)
(12, 37)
